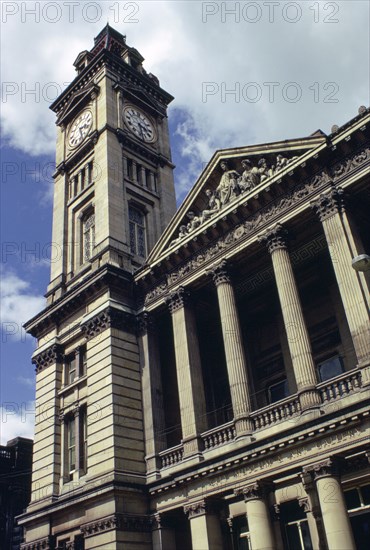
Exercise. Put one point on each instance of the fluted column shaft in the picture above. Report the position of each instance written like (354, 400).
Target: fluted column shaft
(234, 351)
(341, 245)
(295, 326)
(154, 421)
(335, 517)
(259, 523)
(189, 371)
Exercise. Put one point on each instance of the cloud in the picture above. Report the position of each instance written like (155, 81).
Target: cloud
(241, 72)
(17, 420)
(18, 304)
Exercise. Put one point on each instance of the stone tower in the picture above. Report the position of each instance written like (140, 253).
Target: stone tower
(114, 195)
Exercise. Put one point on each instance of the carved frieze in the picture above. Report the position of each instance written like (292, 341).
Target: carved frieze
(46, 543)
(123, 522)
(48, 357)
(109, 318)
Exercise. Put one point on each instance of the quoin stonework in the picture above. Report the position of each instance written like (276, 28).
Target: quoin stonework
(203, 376)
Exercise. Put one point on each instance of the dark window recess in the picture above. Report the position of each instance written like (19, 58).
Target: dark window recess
(278, 391)
(330, 368)
(137, 232)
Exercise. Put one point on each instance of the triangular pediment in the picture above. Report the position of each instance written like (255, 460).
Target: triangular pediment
(76, 102)
(136, 92)
(231, 176)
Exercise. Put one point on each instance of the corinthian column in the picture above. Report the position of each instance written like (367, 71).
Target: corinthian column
(189, 371)
(234, 352)
(333, 507)
(341, 244)
(296, 330)
(260, 528)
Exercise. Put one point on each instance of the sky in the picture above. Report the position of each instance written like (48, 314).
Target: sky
(241, 73)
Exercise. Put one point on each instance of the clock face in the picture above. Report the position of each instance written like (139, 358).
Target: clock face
(80, 129)
(139, 124)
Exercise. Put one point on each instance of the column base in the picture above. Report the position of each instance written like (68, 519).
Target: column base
(309, 399)
(243, 428)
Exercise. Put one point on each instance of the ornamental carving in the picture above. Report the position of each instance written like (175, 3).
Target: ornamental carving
(255, 491)
(95, 527)
(330, 467)
(109, 318)
(178, 299)
(273, 210)
(46, 543)
(232, 184)
(275, 238)
(219, 273)
(50, 356)
(328, 204)
(196, 509)
(145, 324)
(123, 522)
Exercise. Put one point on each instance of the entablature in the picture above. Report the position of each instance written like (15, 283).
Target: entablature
(240, 223)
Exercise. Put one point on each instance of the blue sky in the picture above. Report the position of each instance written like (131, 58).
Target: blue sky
(241, 73)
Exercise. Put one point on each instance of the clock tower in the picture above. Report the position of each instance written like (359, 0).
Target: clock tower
(114, 192)
(113, 197)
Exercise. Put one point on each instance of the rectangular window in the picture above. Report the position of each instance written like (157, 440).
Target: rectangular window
(90, 176)
(358, 505)
(71, 444)
(296, 531)
(137, 232)
(83, 440)
(241, 533)
(75, 365)
(82, 176)
(88, 235)
(278, 391)
(330, 368)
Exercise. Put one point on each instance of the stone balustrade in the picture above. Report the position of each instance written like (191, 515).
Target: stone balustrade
(277, 412)
(172, 456)
(219, 436)
(340, 386)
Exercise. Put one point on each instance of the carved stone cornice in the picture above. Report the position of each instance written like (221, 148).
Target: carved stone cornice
(123, 522)
(275, 238)
(219, 273)
(255, 491)
(330, 467)
(109, 318)
(46, 543)
(177, 299)
(329, 203)
(48, 357)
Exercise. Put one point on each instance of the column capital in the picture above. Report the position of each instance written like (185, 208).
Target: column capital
(195, 509)
(275, 512)
(329, 203)
(160, 521)
(220, 273)
(304, 503)
(145, 323)
(177, 299)
(255, 491)
(329, 467)
(202, 507)
(275, 238)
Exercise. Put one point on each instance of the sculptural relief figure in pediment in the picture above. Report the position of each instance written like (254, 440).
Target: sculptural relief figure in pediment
(228, 187)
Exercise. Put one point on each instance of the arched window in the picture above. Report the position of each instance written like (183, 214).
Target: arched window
(137, 231)
(88, 236)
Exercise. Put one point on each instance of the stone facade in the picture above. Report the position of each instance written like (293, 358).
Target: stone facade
(215, 394)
